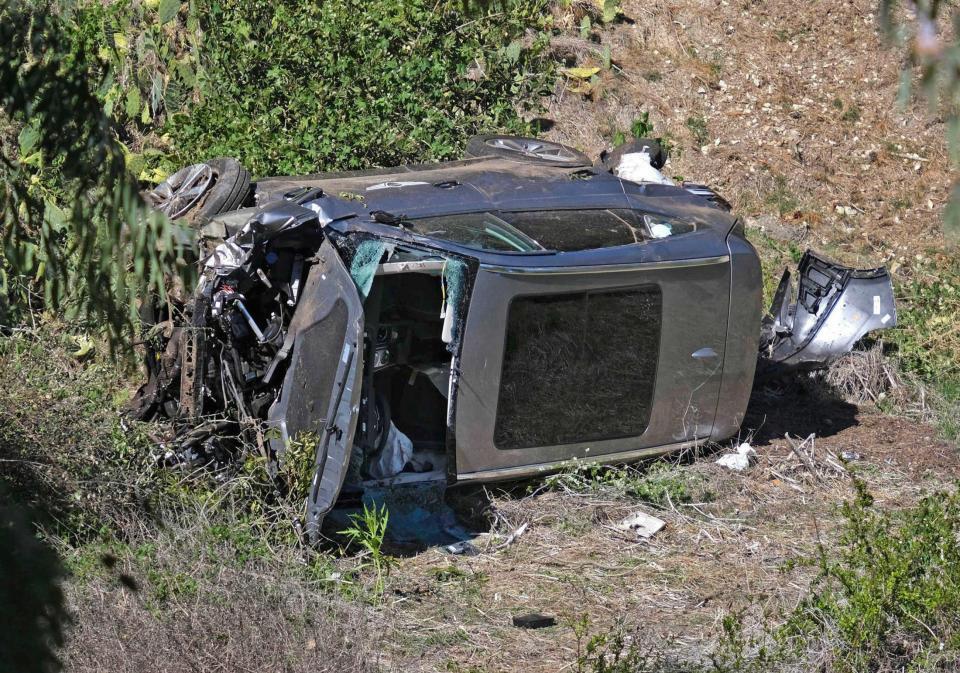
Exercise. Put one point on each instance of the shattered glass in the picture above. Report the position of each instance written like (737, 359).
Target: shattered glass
(363, 266)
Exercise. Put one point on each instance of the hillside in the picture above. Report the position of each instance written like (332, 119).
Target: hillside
(790, 111)
(787, 109)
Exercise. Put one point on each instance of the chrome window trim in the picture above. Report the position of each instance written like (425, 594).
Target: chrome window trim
(603, 268)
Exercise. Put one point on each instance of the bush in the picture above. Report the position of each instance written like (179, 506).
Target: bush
(71, 220)
(927, 336)
(888, 598)
(292, 88)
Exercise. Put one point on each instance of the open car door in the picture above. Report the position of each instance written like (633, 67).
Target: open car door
(319, 399)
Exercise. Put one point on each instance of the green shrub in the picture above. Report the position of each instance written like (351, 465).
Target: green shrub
(620, 651)
(888, 596)
(928, 311)
(292, 88)
(698, 127)
(367, 530)
(150, 52)
(927, 337)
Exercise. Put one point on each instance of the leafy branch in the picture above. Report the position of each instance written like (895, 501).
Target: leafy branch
(81, 236)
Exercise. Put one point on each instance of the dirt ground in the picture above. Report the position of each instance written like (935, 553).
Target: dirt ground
(796, 106)
(723, 554)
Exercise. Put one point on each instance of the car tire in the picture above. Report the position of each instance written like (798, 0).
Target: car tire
(199, 192)
(229, 191)
(526, 150)
(658, 156)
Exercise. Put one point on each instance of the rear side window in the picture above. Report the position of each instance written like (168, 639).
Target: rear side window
(481, 231)
(578, 367)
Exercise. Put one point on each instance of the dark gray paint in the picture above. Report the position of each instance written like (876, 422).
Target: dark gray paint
(323, 405)
(687, 387)
(710, 282)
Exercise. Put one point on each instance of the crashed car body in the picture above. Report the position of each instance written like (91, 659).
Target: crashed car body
(493, 318)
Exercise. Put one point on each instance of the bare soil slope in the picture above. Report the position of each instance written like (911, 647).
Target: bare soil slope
(787, 108)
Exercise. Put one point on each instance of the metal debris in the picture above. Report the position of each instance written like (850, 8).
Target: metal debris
(462, 548)
(835, 307)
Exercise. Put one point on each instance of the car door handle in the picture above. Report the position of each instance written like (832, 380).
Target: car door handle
(704, 354)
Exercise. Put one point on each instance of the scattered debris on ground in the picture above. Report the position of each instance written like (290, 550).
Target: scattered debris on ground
(739, 460)
(642, 524)
(534, 621)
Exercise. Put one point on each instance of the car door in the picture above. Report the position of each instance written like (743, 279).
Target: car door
(604, 362)
(320, 395)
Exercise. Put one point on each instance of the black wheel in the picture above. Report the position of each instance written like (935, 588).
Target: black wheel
(658, 157)
(200, 191)
(528, 150)
(230, 189)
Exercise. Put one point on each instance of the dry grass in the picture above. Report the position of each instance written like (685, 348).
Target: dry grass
(245, 622)
(223, 586)
(868, 377)
(199, 589)
(723, 554)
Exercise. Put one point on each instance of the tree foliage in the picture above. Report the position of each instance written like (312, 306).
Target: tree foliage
(97, 99)
(73, 223)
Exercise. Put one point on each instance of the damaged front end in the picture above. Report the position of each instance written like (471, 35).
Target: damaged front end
(299, 335)
(217, 360)
(831, 308)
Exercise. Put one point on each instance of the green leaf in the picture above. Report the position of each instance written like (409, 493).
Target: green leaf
(133, 102)
(136, 163)
(512, 51)
(28, 139)
(585, 27)
(168, 10)
(611, 10)
(35, 159)
(54, 215)
(84, 345)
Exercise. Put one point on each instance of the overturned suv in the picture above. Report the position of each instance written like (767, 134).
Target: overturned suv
(481, 319)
